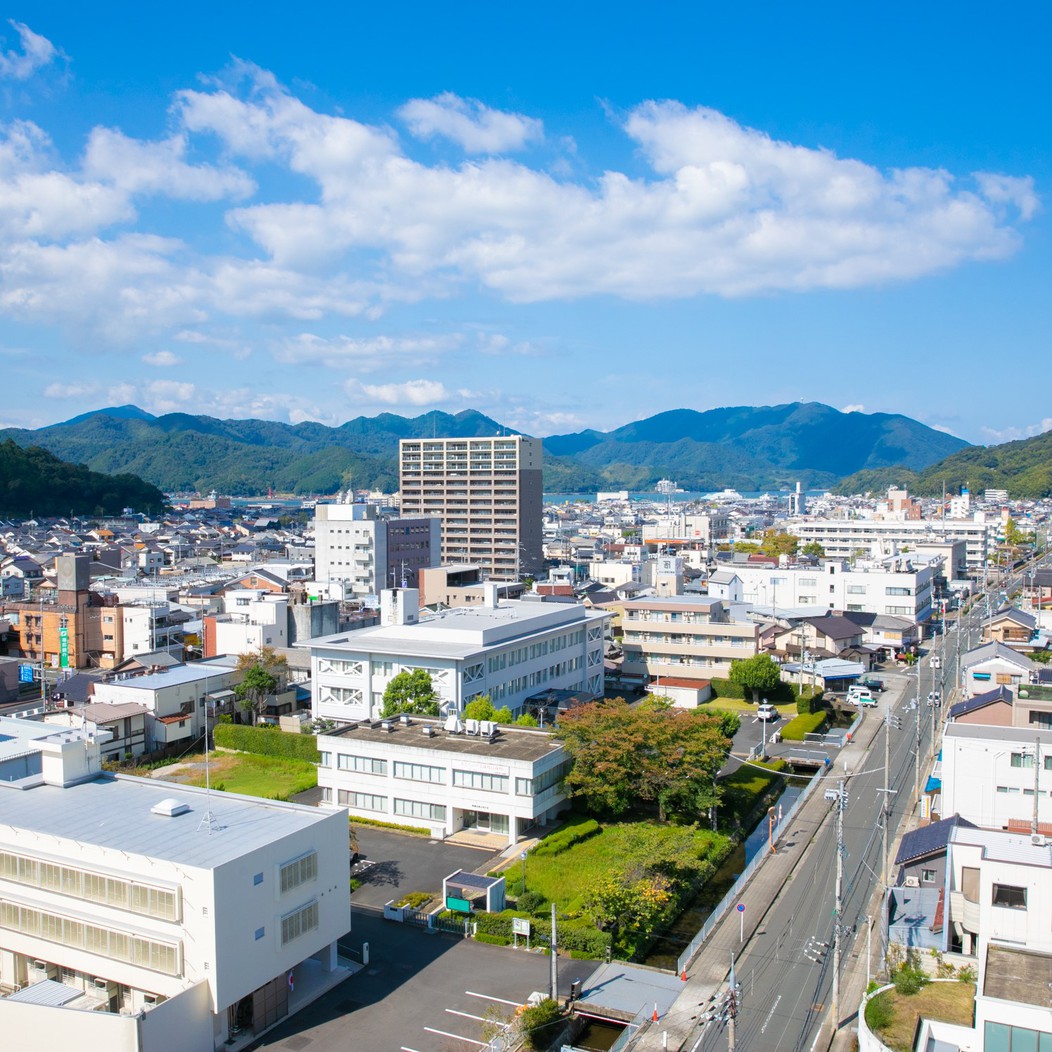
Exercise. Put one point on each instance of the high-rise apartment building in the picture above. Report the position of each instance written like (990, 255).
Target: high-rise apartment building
(487, 491)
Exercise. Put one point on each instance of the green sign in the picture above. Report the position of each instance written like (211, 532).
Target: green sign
(63, 646)
(457, 905)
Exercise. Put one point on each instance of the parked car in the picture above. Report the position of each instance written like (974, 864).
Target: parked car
(874, 683)
(766, 711)
(935, 698)
(861, 696)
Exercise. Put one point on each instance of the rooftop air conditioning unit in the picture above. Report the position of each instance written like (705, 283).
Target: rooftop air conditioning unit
(912, 882)
(429, 731)
(386, 725)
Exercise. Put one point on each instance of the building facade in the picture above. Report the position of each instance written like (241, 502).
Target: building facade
(486, 491)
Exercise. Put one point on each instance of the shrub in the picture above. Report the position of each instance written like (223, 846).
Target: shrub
(531, 902)
(493, 940)
(415, 830)
(414, 899)
(966, 974)
(579, 830)
(540, 1022)
(879, 1012)
(266, 741)
(809, 723)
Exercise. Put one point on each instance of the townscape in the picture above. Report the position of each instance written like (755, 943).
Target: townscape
(529, 681)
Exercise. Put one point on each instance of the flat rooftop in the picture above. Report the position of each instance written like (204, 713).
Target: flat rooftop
(510, 743)
(114, 812)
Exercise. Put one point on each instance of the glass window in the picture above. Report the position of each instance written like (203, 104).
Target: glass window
(419, 772)
(361, 764)
(496, 783)
(260, 932)
(1024, 760)
(997, 1037)
(1010, 896)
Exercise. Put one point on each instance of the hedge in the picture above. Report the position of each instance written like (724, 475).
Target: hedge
(782, 694)
(566, 837)
(493, 940)
(805, 723)
(576, 936)
(266, 741)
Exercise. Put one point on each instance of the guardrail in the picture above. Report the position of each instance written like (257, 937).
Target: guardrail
(739, 885)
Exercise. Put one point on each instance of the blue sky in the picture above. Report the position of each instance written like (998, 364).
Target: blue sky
(565, 216)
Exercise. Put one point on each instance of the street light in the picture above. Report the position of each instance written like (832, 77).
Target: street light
(523, 857)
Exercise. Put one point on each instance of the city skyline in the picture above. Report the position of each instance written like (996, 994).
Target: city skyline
(566, 223)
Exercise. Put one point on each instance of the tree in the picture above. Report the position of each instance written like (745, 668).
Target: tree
(813, 548)
(524, 719)
(410, 692)
(778, 542)
(650, 754)
(755, 674)
(265, 672)
(479, 709)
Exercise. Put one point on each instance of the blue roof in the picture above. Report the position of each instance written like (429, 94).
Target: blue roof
(980, 701)
(928, 839)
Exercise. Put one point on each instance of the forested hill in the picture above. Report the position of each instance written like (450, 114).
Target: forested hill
(35, 482)
(1023, 468)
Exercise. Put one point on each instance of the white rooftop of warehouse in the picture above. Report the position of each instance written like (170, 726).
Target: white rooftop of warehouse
(114, 812)
(461, 631)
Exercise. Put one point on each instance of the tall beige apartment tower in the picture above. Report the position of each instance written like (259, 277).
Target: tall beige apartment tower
(487, 491)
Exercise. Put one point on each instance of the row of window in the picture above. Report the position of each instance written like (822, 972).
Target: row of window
(106, 942)
(145, 899)
(420, 772)
(1003, 1037)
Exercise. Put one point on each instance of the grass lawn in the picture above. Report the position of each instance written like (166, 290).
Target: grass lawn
(743, 788)
(742, 708)
(251, 775)
(564, 878)
(950, 1002)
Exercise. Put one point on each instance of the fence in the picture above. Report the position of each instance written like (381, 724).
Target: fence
(739, 885)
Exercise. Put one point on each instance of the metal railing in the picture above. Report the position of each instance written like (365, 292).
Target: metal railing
(739, 885)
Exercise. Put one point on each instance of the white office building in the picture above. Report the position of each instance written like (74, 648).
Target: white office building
(445, 776)
(172, 918)
(506, 649)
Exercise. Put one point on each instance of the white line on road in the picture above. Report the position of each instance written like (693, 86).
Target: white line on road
(477, 1018)
(456, 1037)
(486, 997)
(406, 1048)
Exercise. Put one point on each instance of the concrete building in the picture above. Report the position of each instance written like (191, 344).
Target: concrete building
(172, 918)
(357, 548)
(461, 586)
(445, 776)
(250, 620)
(506, 649)
(487, 492)
(684, 637)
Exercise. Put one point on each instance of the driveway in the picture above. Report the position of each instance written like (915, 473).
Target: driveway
(421, 992)
(393, 864)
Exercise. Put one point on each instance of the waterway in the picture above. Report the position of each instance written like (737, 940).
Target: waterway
(666, 950)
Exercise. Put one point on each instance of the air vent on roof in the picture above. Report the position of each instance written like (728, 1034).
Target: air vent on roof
(169, 807)
(387, 726)
(429, 731)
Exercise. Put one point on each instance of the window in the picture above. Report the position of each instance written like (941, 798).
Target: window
(1024, 760)
(298, 871)
(898, 591)
(496, 783)
(419, 772)
(1044, 721)
(1009, 896)
(361, 764)
(419, 809)
(299, 922)
(257, 879)
(856, 589)
(928, 876)
(363, 801)
(260, 932)
(324, 759)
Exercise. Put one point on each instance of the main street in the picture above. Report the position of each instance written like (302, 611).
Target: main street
(786, 968)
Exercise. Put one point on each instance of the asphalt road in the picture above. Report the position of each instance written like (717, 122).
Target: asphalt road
(786, 969)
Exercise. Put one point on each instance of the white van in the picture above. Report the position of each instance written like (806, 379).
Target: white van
(861, 696)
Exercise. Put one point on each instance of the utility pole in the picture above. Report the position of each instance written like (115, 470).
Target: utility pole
(1037, 779)
(553, 981)
(732, 1006)
(839, 795)
(917, 743)
(889, 722)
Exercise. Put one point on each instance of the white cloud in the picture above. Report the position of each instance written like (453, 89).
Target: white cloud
(140, 167)
(475, 127)
(162, 359)
(1013, 434)
(74, 390)
(410, 393)
(855, 407)
(366, 354)
(37, 52)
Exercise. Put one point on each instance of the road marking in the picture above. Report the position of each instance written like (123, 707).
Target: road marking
(477, 1018)
(486, 997)
(763, 1029)
(456, 1037)
(406, 1048)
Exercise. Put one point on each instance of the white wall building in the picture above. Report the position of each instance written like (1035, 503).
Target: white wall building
(507, 649)
(251, 619)
(133, 893)
(414, 771)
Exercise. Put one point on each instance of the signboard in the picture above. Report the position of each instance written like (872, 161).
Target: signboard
(63, 646)
(741, 907)
(520, 926)
(25, 673)
(457, 905)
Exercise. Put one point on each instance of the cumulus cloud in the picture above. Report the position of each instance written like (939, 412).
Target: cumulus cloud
(855, 407)
(1013, 434)
(75, 390)
(36, 52)
(411, 393)
(472, 125)
(162, 359)
(368, 353)
(138, 167)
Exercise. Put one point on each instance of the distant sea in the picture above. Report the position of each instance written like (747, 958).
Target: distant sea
(687, 495)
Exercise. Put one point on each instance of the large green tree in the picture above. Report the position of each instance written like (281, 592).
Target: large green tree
(778, 542)
(755, 674)
(411, 692)
(265, 672)
(625, 757)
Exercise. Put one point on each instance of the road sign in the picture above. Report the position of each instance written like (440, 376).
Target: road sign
(741, 921)
(25, 673)
(741, 907)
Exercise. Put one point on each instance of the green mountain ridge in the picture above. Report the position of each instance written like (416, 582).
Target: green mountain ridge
(742, 446)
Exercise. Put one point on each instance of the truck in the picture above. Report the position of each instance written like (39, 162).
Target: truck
(872, 683)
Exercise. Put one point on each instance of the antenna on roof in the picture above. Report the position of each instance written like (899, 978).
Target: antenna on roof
(208, 819)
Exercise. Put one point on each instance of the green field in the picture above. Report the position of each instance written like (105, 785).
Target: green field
(250, 775)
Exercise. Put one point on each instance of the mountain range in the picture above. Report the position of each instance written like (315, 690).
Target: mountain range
(744, 447)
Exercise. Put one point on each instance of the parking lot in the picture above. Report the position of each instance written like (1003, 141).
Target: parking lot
(398, 863)
(421, 992)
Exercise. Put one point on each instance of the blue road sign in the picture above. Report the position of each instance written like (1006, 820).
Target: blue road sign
(25, 673)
